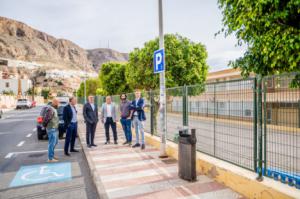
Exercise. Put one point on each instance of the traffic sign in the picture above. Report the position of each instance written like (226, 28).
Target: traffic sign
(42, 173)
(159, 61)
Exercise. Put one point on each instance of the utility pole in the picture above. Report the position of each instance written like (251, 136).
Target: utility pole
(162, 82)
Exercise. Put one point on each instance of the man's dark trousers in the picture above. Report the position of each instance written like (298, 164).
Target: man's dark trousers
(90, 133)
(71, 136)
(109, 122)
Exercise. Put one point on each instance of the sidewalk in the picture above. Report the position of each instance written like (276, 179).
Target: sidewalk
(123, 172)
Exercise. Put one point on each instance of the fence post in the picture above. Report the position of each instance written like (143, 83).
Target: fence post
(151, 112)
(214, 119)
(184, 105)
(260, 136)
(265, 126)
(255, 124)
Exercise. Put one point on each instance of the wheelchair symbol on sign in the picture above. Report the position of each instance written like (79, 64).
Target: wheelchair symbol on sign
(43, 174)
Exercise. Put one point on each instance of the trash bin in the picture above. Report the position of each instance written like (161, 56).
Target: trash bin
(187, 155)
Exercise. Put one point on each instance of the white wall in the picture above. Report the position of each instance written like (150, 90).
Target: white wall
(13, 85)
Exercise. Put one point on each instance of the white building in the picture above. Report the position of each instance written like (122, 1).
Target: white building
(12, 85)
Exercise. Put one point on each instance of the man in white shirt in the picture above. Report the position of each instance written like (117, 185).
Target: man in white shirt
(109, 118)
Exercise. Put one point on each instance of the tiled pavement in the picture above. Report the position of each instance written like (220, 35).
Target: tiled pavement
(125, 172)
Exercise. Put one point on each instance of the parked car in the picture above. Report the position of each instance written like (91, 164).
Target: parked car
(23, 104)
(41, 131)
(61, 125)
(33, 104)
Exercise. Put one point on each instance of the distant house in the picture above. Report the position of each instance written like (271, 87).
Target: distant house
(12, 85)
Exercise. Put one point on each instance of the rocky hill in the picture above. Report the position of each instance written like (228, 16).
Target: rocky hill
(60, 59)
(21, 42)
(99, 56)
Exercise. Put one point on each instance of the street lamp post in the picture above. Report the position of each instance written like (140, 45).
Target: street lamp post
(162, 83)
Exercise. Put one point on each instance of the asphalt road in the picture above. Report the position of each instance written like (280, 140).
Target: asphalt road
(19, 147)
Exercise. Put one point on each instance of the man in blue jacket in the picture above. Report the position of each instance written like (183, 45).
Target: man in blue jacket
(70, 121)
(138, 118)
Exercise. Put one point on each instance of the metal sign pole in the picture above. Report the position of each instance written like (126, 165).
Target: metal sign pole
(162, 114)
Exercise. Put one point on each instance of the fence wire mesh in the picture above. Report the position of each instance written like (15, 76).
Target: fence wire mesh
(281, 105)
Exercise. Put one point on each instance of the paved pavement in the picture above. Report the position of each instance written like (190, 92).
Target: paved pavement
(124, 172)
(20, 151)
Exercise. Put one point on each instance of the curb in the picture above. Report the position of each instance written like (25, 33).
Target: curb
(97, 181)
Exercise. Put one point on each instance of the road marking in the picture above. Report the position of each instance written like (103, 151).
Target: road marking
(3, 133)
(9, 155)
(21, 143)
(34, 129)
(30, 134)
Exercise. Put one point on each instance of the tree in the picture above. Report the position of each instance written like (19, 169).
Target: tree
(185, 63)
(113, 79)
(45, 93)
(91, 86)
(271, 30)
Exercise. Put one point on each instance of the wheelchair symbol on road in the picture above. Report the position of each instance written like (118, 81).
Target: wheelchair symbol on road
(43, 173)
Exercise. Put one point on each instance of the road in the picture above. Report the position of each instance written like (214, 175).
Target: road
(19, 147)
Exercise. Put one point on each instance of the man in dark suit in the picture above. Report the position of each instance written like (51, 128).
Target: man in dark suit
(70, 122)
(90, 114)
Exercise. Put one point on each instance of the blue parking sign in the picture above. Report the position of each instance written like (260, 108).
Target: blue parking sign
(42, 173)
(159, 61)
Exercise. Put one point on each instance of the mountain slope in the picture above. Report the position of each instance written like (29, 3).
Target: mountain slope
(99, 56)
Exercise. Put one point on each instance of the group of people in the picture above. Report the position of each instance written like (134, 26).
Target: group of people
(131, 114)
(70, 125)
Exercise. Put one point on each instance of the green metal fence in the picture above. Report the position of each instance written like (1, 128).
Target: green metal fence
(253, 123)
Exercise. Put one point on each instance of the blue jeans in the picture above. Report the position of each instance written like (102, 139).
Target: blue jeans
(126, 124)
(70, 136)
(139, 130)
(52, 142)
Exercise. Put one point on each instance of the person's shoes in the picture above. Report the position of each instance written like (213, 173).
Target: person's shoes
(53, 160)
(107, 142)
(143, 146)
(115, 142)
(129, 143)
(136, 145)
(89, 146)
(125, 143)
(94, 145)
(74, 150)
(67, 154)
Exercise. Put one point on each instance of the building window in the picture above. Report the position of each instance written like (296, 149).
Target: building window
(7, 84)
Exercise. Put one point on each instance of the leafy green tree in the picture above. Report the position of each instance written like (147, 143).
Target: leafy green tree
(45, 93)
(185, 63)
(270, 29)
(91, 86)
(112, 78)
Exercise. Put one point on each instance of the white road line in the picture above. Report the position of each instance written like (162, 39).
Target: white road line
(34, 129)
(41, 151)
(9, 155)
(30, 134)
(3, 133)
(21, 143)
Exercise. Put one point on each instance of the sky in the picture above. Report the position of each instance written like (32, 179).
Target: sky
(126, 24)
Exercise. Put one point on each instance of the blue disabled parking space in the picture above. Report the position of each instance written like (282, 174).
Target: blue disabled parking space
(42, 173)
